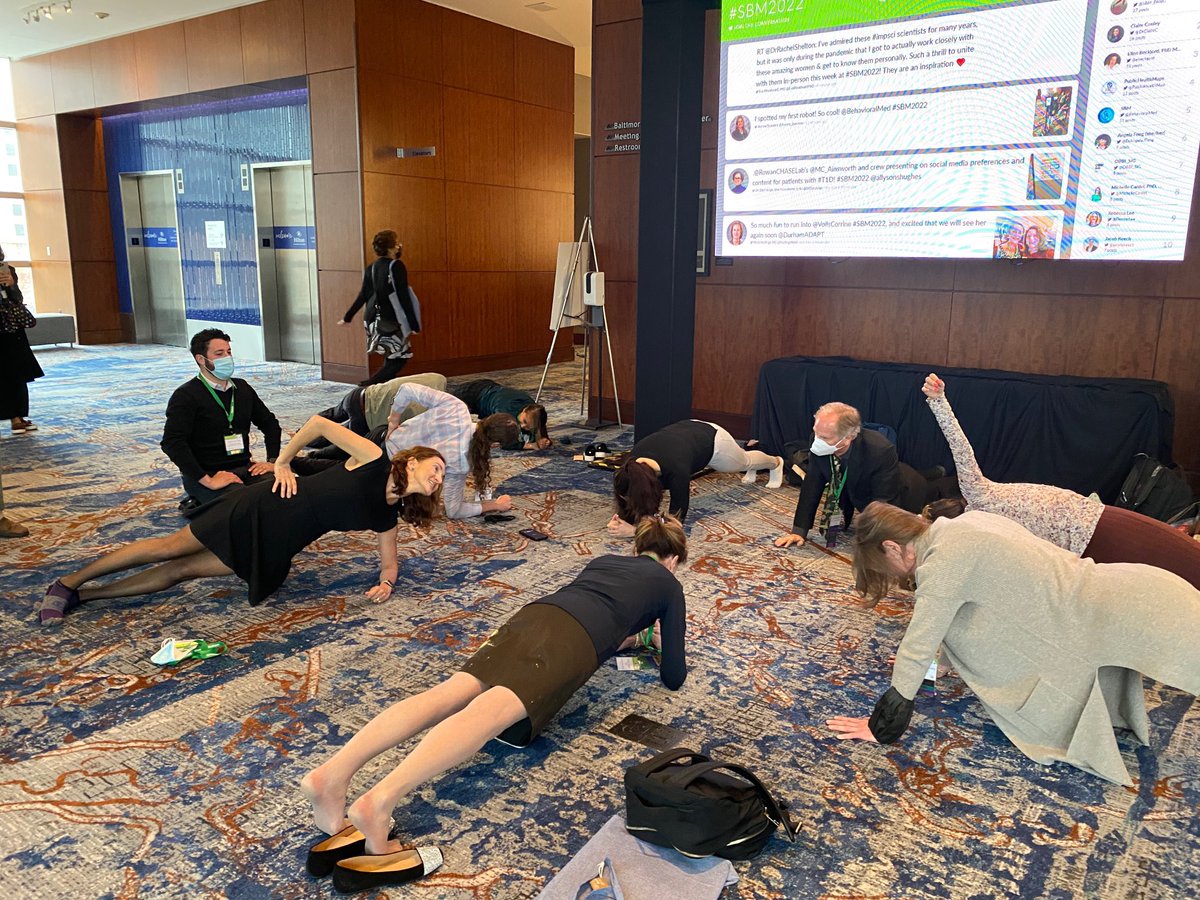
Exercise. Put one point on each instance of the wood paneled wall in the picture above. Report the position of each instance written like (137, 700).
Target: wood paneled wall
(481, 220)
(1138, 320)
(59, 97)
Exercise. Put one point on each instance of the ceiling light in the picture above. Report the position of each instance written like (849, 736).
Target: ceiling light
(540, 7)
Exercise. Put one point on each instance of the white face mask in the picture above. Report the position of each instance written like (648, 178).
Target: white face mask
(823, 448)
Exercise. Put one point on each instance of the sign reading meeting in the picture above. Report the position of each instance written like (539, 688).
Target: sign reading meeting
(924, 131)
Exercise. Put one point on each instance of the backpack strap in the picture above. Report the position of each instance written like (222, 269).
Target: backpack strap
(777, 810)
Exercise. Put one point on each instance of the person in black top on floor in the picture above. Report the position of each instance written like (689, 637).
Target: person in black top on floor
(514, 684)
(255, 532)
(859, 467)
(669, 458)
(207, 433)
(386, 276)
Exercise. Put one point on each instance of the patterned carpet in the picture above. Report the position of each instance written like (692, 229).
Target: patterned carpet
(124, 779)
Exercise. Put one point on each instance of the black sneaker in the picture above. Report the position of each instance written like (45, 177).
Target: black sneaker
(601, 451)
(188, 503)
(589, 453)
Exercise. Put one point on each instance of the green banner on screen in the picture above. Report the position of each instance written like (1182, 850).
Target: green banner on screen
(741, 19)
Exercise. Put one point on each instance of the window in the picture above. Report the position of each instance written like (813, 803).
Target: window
(13, 236)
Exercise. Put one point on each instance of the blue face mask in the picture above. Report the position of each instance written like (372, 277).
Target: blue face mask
(222, 368)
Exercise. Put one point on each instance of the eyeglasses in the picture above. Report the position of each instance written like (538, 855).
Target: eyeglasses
(603, 887)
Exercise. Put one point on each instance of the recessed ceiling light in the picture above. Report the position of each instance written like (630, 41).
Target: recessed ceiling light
(101, 15)
(540, 7)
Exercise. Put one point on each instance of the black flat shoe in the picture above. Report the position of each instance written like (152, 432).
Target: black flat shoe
(362, 873)
(324, 855)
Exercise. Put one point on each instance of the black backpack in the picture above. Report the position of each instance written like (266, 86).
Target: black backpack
(1154, 489)
(679, 799)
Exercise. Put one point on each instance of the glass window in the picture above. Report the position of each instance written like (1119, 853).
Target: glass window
(12, 230)
(25, 280)
(12, 180)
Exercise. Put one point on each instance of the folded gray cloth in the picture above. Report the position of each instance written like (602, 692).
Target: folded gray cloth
(644, 871)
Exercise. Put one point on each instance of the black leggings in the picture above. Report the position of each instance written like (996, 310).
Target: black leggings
(390, 369)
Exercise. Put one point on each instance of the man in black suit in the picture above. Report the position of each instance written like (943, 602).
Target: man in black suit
(857, 466)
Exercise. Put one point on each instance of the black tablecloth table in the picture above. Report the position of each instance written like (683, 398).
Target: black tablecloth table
(1077, 433)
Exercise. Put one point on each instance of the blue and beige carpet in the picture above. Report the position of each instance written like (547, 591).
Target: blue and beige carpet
(126, 780)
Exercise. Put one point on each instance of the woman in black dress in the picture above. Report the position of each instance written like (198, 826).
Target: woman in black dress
(255, 532)
(510, 689)
(18, 365)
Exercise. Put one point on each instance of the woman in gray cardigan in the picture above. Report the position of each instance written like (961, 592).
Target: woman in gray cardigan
(1053, 645)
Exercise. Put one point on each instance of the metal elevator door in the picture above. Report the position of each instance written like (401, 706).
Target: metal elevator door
(152, 248)
(287, 262)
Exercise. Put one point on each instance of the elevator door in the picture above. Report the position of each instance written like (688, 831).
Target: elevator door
(287, 262)
(152, 246)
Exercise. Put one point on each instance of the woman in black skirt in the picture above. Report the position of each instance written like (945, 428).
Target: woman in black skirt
(18, 365)
(255, 532)
(510, 689)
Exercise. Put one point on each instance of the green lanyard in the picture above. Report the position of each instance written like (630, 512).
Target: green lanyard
(836, 484)
(232, 400)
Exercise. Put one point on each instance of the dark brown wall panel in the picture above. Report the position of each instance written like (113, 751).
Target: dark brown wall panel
(37, 142)
(545, 72)
(72, 69)
(81, 145)
(1178, 364)
(1072, 278)
(480, 305)
(479, 138)
(114, 71)
(329, 34)
(272, 40)
(415, 208)
(729, 349)
(338, 209)
(33, 86)
(477, 239)
(89, 228)
(333, 111)
(545, 221)
(214, 51)
(1062, 335)
(437, 338)
(403, 37)
(615, 208)
(478, 55)
(615, 10)
(400, 112)
(616, 78)
(162, 69)
(97, 316)
(540, 163)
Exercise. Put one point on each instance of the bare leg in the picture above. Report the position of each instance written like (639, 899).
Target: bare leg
(139, 553)
(454, 740)
(326, 785)
(203, 564)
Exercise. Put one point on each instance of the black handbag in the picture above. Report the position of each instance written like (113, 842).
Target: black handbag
(14, 314)
(684, 800)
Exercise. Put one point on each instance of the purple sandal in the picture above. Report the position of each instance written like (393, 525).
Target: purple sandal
(59, 600)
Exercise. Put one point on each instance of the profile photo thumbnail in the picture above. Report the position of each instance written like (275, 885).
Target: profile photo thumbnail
(738, 181)
(739, 128)
(1112, 60)
(736, 232)
(1115, 34)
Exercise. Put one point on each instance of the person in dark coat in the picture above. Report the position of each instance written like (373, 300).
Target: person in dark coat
(858, 467)
(387, 275)
(18, 365)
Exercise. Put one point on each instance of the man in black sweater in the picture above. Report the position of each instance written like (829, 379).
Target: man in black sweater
(207, 434)
(857, 467)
